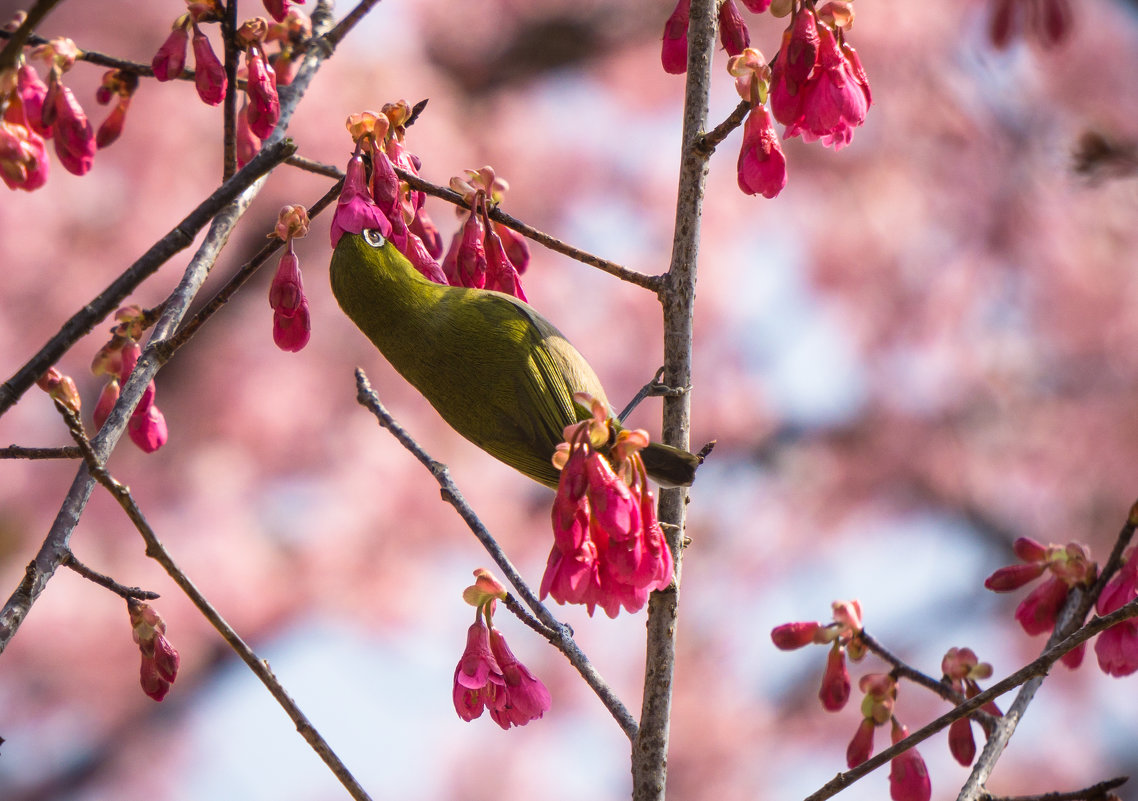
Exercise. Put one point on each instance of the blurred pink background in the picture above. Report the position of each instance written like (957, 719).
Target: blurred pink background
(924, 347)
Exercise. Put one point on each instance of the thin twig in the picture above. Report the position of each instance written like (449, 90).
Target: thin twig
(1095, 792)
(651, 282)
(315, 166)
(941, 688)
(229, 106)
(711, 140)
(179, 237)
(19, 452)
(158, 552)
(109, 583)
(558, 633)
(23, 33)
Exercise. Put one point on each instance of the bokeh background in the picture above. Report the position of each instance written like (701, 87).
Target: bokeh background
(925, 347)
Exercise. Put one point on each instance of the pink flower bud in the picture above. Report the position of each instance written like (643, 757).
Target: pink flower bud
(960, 741)
(478, 681)
(416, 253)
(500, 273)
(264, 107)
(526, 697)
(790, 636)
(762, 165)
(517, 249)
(107, 399)
(248, 144)
(61, 388)
(801, 51)
(733, 33)
(74, 137)
(147, 429)
(170, 59)
(1029, 550)
(23, 157)
(674, 53)
(32, 93)
(471, 254)
(908, 776)
(355, 210)
(835, 689)
(861, 746)
(160, 660)
(278, 9)
(209, 73)
(111, 128)
(1037, 612)
(291, 322)
(1117, 649)
(1013, 577)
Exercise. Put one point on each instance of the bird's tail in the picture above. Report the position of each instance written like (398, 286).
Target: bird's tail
(668, 466)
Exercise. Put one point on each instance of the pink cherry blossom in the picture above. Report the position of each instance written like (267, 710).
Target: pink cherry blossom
(733, 33)
(478, 681)
(674, 53)
(762, 165)
(526, 697)
(170, 59)
(264, 107)
(73, 135)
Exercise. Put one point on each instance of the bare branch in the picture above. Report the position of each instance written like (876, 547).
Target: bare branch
(556, 632)
(18, 452)
(1096, 792)
(109, 583)
(260, 667)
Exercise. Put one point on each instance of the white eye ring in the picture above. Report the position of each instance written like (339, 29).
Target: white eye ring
(373, 237)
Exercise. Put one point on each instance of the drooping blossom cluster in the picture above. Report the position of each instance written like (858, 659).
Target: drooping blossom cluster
(608, 547)
(842, 635)
(815, 85)
(62, 388)
(489, 676)
(261, 108)
(733, 33)
(292, 323)
(116, 360)
(209, 73)
(483, 254)
(1117, 647)
(1048, 22)
(961, 668)
(1069, 566)
(160, 660)
(34, 111)
(819, 89)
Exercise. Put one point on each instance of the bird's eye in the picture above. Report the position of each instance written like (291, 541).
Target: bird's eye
(374, 238)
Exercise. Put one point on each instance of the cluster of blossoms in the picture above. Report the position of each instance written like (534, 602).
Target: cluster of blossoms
(1069, 566)
(263, 73)
(489, 676)
(159, 658)
(908, 776)
(116, 360)
(292, 324)
(815, 84)
(482, 253)
(608, 547)
(32, 111)
(1048, 21)
(961, 668)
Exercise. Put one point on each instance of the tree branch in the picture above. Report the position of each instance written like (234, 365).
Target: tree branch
(677, 297)
(260, 667)
(556, 632)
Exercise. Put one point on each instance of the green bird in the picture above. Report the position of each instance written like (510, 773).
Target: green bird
(497, 372)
